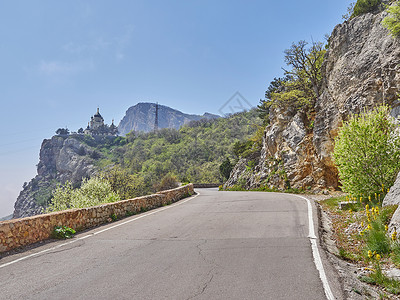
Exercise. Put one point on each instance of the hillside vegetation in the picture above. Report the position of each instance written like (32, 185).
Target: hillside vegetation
(193, 153)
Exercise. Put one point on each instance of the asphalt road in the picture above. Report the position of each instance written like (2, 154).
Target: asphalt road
(218, 245)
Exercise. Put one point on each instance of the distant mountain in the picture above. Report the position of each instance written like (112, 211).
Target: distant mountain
(6, 218)
(141, 117)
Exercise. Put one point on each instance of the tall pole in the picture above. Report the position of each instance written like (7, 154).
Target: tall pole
(156, 118)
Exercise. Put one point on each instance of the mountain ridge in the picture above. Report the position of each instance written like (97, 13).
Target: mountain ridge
(141, 117)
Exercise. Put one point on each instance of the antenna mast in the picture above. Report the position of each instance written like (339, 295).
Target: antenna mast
(156, 118)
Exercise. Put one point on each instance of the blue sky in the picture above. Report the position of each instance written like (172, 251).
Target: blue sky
(61, 59)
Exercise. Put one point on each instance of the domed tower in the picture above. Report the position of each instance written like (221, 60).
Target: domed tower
(97, 121)
(87, 130)
(113, 128)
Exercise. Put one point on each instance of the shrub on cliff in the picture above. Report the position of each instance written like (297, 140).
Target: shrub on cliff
(367, 152)
(365, 6)
(301, 85)
(392, 21)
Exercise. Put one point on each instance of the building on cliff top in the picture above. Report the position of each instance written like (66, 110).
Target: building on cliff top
(96, 126)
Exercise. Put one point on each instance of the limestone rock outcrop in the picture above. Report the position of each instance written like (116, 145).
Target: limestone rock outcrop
(393, 198)
(141, 117)
(61, 159)
(360, 71)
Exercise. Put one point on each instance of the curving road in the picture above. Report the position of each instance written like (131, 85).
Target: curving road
(218, 245)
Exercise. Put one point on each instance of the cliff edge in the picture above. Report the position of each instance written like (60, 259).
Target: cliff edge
(62, 158)
(360, 71)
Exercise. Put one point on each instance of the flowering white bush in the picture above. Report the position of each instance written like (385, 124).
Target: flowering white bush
(93, 192)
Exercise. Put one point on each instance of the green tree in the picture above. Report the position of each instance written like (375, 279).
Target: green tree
(392, 21)
(226, 168)
(124, 184)
(276, 85)
(167, 182)
(303, 82)
(62, 131)
(264, 106)
(367, 152)
(306, 63)
(349, 13)
(240, 147)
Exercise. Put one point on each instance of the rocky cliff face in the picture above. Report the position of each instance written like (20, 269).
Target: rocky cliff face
(61, 159)
(361, 70)
(141, 118)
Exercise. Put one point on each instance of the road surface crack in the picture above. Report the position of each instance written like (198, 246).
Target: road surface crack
(209, 275)
(205, 285)
(201, 251)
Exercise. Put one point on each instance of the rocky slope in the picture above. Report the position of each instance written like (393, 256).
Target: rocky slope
(393, 198)
(62, 158)
(361, 70)
(140, 117)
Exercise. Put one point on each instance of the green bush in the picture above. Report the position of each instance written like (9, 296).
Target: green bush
(392, 21)
(126, 185)
(241, 147)
(365, 6)
(367, 153)
(167, 182)
(63, 232)
(377, 239)
(93, 192)
(226, 168)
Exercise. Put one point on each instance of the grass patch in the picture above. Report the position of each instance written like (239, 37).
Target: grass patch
(378, 278)
(333, 203)
(361, 235)
(347, 255)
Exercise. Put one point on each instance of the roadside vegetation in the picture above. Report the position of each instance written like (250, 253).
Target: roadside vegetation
(93, 192)
(363, 237)
(367, 153)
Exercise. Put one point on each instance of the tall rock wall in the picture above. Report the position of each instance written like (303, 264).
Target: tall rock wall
(361, 70)
(141, 117)
(61, 159)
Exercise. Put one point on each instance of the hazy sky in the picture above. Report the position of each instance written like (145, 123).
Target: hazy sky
(59, 60)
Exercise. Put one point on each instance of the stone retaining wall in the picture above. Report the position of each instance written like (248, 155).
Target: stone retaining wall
(206, 185)
(21, 232)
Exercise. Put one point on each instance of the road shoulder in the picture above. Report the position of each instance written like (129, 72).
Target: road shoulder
(347, 272)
